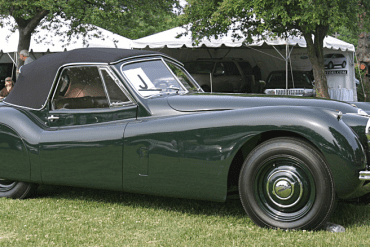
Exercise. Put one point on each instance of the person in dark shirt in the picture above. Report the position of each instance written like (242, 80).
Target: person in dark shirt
(8, 87)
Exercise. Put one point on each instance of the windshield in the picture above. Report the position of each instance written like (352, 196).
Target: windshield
(156, 76)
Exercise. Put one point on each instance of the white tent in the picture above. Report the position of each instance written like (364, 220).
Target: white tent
(44, 41)
(270, 54)
(47, 41)
(168, 39)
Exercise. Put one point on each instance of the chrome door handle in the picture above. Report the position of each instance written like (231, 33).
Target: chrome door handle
(52, 118)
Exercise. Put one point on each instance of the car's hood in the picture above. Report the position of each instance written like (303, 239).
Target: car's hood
(209, 102)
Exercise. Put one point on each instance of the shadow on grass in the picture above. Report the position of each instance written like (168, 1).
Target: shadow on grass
(232, 206)
(353, 213)
(348, 213)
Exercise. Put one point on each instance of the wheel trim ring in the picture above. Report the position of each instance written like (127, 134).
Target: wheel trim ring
(270, 208)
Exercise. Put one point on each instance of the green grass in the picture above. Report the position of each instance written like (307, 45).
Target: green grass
(65, 216)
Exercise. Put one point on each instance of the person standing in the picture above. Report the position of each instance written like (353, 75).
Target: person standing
(8, 87)
(25, 56)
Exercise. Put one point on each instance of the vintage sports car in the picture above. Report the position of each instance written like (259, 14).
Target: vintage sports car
(136, 121)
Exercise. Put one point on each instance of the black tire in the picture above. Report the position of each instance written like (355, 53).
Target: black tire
(330, 65)
(285, 183)
(344, 64)
(16, 190)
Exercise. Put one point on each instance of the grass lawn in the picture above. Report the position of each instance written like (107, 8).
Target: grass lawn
(65, 216)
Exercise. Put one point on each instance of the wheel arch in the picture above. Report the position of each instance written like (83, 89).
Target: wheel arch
(250, 144)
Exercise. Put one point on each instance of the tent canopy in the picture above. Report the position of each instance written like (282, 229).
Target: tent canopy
(168, 39)
(48, 41)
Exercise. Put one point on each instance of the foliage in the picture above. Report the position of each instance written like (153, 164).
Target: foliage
(281, 17)
(345, 34)
(142, 19)
(309, 18)
(65, 216)
(125, 14)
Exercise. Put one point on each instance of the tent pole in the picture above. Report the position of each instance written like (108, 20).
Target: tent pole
(12, 59)
(286, 66)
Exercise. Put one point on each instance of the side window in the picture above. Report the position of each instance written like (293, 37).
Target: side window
(199, 67)
(231, 69)
(226, 68)
(115, 94)
(246, 68)
(79, 88)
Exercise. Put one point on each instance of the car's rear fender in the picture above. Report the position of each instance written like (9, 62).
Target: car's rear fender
(19, 138)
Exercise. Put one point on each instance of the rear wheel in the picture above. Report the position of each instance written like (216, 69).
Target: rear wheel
(285, 183)
(15, 189)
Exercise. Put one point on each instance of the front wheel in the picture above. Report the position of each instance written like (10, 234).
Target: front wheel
(15, 189)
(285, 183)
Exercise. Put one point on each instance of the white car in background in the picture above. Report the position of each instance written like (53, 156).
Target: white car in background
(334, 59)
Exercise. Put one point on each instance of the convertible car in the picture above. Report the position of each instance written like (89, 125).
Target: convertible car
(136, 121)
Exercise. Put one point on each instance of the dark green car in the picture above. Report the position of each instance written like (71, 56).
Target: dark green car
(136, 121)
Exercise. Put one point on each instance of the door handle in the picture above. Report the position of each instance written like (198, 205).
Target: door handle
(52, 118)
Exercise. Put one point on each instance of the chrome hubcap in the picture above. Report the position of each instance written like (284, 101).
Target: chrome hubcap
(284, 188)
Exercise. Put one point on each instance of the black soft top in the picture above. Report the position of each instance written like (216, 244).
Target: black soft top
(36, 79)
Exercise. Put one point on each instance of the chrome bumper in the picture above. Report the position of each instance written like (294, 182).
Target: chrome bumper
(364, 175)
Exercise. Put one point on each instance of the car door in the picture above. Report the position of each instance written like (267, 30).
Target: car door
(88, 113)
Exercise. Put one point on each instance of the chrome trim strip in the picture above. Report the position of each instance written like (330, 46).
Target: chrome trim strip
(367, 128)
(145, 56)
(364, 175)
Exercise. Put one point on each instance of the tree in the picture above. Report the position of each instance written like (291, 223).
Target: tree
(363, 54)
(308, 18)
(143, 19)
(28, 14)
(343, 33)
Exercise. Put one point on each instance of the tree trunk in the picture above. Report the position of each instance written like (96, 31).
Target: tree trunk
(316, 55)
(24, 42)
(26, 27)
(363, 57)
